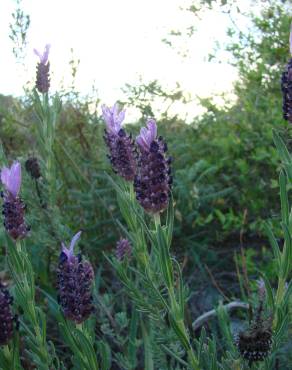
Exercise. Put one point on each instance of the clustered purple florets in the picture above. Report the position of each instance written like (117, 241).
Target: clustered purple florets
(75, 278)
(13, 206)
(13, 212)
(123, 249)
(153, 181)
(150, 168)
(254, 344)
(6, 317)
(43, 71)
(123, 155)
(286, 85)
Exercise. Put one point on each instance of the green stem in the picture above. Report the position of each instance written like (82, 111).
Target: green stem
(7, 354)
(279, 298)
(157, 220)
(148, 356)
(18, 246)
(21, 269)
(177, 312)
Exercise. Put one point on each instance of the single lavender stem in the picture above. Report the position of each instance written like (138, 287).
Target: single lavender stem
(177, 311)
(131, 192)
(157, 220)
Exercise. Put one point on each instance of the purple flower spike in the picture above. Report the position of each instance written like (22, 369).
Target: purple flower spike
(11, 178)
(43, 71)
(45, 56)
(147, 135)
(153, 180)
(75, 278)
(113, 118)
(286, 86)
(122, 148)
(13, 207)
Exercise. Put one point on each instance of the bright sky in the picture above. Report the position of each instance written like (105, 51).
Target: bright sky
(116, 42)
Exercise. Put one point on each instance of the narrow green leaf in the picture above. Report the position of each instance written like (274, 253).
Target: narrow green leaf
(180, 288)
(284, 198)
(269, 290)
(170, 221)
(132, 346)
(274, 243)
(287, 252)
(283, 153)
(105, 354)
(180, 334)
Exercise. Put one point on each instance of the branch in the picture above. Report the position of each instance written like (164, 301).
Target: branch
(230, 306)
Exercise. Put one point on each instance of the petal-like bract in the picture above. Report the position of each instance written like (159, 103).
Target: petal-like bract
(11, 178)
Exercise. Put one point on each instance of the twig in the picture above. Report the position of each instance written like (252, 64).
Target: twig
(215, 283)
(207, 315)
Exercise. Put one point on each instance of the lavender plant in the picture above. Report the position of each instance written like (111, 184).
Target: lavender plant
(154, 274)
(143, 261)
(47, 113)
(21, 268)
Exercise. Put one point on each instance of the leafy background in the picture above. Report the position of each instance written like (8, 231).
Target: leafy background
(225, 183)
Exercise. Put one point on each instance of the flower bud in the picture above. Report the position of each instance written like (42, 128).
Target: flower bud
(75, 278)
(123, 249)
(255, 344)
(33, 168)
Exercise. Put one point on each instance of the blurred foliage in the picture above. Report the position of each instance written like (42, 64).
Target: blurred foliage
(225, 172)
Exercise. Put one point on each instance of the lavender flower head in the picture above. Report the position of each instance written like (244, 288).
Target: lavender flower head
(254, 344)
(286, 86)
(153, 181)
(121, 146)
(13, 206)
(6, 316)
(123, 249)
(43, 69)
(75, 278)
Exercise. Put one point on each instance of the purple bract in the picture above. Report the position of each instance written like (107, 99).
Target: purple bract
(13, 206)
(11, 178)
(43, 56)
(113, 118)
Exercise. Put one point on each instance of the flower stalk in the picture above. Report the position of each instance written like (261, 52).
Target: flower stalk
(47, 113)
